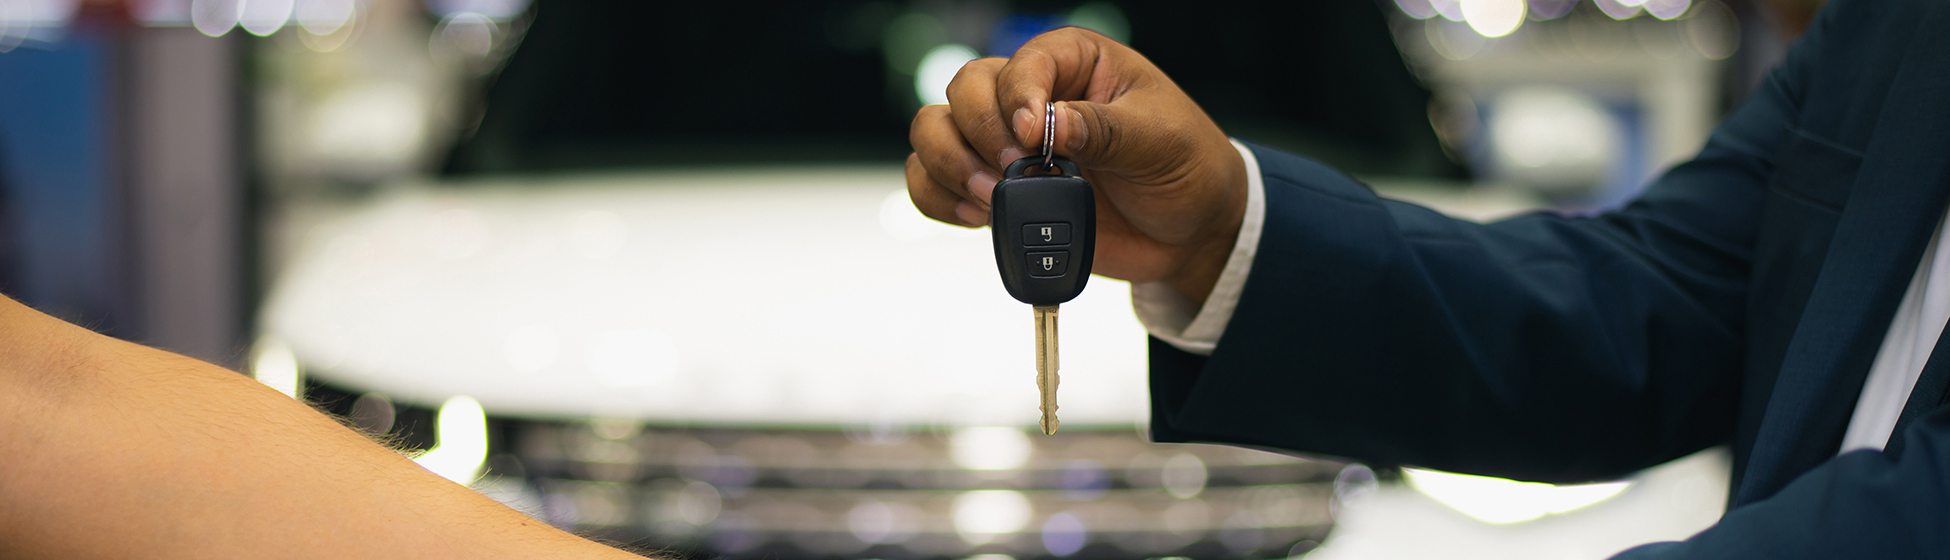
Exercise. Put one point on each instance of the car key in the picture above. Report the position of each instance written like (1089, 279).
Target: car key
(1044, 228)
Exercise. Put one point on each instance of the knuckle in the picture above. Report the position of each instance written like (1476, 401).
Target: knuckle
(971, 75)
(916, 173)
(1083, 35)
(958, 86)
(937, 160)
(1062, 39)
(1103, 132)
(927, 113)
(926, 122)
(943, 170)
(987, 127)
(1059, 34)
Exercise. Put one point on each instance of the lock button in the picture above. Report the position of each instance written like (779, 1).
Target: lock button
(1048, 265)
(1046, 234)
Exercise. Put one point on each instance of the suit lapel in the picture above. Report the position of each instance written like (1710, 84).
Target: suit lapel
(1899, 192)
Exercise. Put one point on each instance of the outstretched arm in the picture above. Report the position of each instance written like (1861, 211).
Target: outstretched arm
(109, 449)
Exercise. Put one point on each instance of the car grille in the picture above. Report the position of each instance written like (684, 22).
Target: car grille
(894, 492)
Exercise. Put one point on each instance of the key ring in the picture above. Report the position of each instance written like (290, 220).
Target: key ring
(1049, 133)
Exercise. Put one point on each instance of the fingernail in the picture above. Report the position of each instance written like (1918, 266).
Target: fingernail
(1078, 133)
(1012, 153)
(982, 185)
(1026, 124)
(971, 215)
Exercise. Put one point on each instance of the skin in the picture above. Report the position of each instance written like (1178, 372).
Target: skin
(110, 449)
(1171, 189)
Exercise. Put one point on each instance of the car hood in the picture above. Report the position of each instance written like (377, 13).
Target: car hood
(785, 296)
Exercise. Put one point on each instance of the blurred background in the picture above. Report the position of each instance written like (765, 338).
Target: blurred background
(648, 272)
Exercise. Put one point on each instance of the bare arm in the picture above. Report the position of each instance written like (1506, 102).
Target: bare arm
(114, 450)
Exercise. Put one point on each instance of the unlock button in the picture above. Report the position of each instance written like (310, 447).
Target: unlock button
(1046, 234)
(1047, 265)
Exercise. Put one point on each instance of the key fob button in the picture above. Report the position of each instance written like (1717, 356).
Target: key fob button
(1046, 234)
(1048, 264)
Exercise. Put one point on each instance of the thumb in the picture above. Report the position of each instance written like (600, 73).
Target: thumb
(1118, 137)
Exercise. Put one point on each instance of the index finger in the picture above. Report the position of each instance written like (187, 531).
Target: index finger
(972, 98)
(1066, 64)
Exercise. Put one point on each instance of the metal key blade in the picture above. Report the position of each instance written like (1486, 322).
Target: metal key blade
(1046, 377)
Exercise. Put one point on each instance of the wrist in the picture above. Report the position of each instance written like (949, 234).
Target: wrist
(1200, 273)
(1204, 262)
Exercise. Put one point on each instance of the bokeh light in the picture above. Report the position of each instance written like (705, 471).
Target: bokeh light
(373, 413)
(15, 18)
(1618, 9)
(462, 441)
(276, 366)
(498, 10)
(38, 20)
(1064, 535)
(1184, 475)
(324, 17)
(376, 125)
(465, 33)
(1538, 127)
(1418, 9)
(1550, 9)
(871, 521)
(216, 17)
(1449, 9)
(1085, 480)
(1453, 40)
(264, 17)
(1667, 9)
(1495, 500)
(1353, 486)
(990, 448)
(983, 515)
(699, 503)
(1493, 18)
(909, 38)
(937, 68)
(1713, 30)
(600, 504)
(1102, 17)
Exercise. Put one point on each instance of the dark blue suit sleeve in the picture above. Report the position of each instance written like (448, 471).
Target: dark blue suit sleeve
(1858, 505)
(1542, 347)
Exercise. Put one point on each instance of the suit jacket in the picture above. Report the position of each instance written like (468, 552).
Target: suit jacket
(1739, 300)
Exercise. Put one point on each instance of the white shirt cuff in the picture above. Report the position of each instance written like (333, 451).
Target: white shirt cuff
(1176, 319)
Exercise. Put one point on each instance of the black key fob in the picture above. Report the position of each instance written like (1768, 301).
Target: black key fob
(1044, 227)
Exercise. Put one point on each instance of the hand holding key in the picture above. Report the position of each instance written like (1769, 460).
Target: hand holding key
(1170, 189)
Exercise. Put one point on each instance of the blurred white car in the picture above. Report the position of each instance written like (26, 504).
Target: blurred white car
(790, 362)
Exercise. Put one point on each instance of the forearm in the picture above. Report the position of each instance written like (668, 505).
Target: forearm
(1511, 332)
(114, 450)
